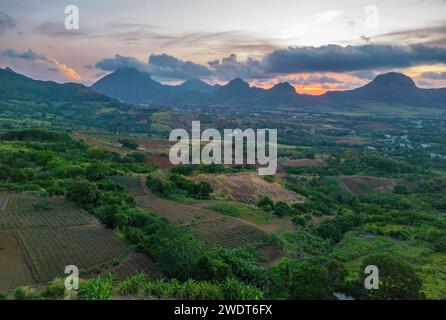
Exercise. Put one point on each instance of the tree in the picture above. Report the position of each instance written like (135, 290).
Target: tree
(310, 281)
(397, 278)
(83, 192)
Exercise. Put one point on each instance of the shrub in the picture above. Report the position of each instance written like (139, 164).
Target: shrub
(266, 204)
(299, 221)
(24, 293)
(54, 290)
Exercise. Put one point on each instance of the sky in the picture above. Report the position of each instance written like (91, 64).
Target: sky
(315, 45)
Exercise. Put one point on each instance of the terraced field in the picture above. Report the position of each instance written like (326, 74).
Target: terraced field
(40, 236)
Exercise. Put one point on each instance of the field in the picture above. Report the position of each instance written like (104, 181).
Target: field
(14, 269)
(248, 187)
(362, 184)
(25, 211)
(40, 236)
(54, 249)
(212, 227)
(229, 232)
(133, 264)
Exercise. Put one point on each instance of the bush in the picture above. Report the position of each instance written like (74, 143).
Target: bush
(128, 143)
(24, 293)
(299, 221)
(282, 209)
(266, 204)
(54, 290)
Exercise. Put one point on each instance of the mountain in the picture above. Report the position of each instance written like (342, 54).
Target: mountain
(133, 86)
(196, 85)
(128, 84)
(72, 103)
(283, 89)
(15, 86)
(391, 88)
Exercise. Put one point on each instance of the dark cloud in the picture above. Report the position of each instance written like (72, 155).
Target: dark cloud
(316, 79)
(361, 61)
(166, 66)
(118, 61)
(25, 55)
(161, 66)
(434, 75)
(350, 58)
(231, 67)
(6, 22)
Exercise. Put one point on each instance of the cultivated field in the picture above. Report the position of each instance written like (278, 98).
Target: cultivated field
(229, 232)
(133, 264)
(211, 227)
(25, 211)
(40, 236)
(51, 250)
(14, 269)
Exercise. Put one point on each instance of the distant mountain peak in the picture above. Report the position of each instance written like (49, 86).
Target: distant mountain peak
(283, 88)
(238, 82)
(127, 84)
(197, 85)
(393, 79)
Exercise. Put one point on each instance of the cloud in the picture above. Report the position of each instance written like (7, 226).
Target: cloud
(26, 55)
(336, 58)
(49, 64)
(230, 67)
(362, 61)
(118, 61)
(328, 16)
(160, 66)
(316, 79)
(434, 75)
(434, 35)
(6, 22)
(166, 66)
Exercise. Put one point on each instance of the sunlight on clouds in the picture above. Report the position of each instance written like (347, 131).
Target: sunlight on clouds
(67, 71)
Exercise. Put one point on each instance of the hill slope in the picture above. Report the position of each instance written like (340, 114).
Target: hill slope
(24, 98)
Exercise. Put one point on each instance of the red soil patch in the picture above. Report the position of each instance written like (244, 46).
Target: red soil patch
(160, 161)
(363, 184)
(301, 163)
